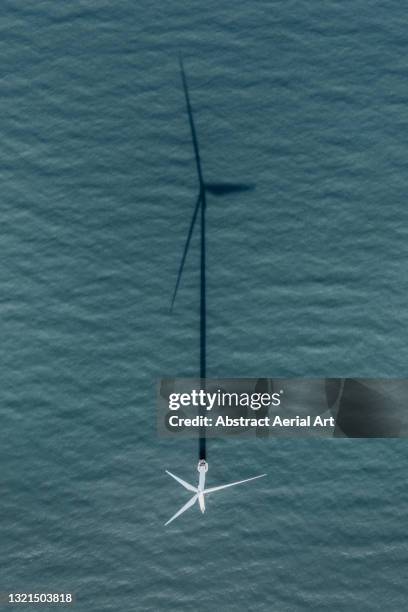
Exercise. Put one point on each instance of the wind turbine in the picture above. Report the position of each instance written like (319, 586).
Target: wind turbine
(201, 491)
(216, 189)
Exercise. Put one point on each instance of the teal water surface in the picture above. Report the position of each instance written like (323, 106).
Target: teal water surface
(306, 277)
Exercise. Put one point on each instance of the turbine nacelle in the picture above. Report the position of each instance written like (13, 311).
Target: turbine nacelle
(202, 466)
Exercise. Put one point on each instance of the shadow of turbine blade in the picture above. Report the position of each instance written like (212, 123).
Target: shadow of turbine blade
(219, 189)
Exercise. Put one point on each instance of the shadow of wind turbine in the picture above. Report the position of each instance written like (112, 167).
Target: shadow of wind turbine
(199, 212)
(216, 189)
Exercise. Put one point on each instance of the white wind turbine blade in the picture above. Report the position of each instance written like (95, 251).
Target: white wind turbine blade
(232, 484)
(185, 484)
(186, 506)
